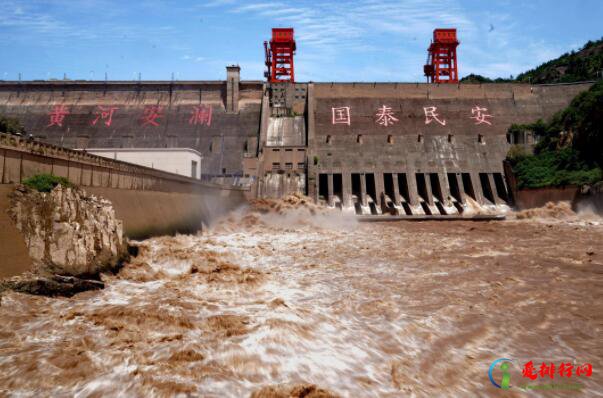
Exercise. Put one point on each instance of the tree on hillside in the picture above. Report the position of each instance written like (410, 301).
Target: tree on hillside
(473, 78)
(580, 125)
(585, 64)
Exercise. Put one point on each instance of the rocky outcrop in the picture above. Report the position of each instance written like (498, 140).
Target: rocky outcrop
(293, 391)
(54, 285)
(68, 233)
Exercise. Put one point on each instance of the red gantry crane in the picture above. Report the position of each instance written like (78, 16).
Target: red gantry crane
(442, 66)
(279, 56)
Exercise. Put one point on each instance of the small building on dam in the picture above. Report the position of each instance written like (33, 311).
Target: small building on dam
(184, 161)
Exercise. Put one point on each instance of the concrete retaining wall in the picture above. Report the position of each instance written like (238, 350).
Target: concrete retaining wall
(153, 213)
(530, 198)
(14, 257)
(21, 158)
(149, 202)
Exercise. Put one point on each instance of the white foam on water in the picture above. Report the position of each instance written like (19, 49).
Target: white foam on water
(326, 308)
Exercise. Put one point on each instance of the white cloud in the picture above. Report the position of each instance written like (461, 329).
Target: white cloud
(347, 40)
(217, 3)
(257, 7)
(328, 32)
(33, 23)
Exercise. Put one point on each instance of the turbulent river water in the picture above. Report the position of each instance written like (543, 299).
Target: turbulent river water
(289, 296)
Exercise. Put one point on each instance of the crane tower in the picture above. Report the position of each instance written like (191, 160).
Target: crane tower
(442, 66)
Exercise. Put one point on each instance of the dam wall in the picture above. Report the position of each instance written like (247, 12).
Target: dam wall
(196, 115)
(148, 201)
(379, 148)
(418, 148)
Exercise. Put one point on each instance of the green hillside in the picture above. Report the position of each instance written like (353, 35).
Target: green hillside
(570, 147)
(585, 64)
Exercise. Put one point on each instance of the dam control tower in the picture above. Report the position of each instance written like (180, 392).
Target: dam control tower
(279, 56)
(442, 65)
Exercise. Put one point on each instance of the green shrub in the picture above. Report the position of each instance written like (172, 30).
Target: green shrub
(554, 168)
(516, 153)
(46, 182)
(11, 126)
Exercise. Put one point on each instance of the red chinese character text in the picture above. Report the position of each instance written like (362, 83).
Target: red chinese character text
(341, 115)
(529, 371)
(565, 369)
(385, 116)
(480, 117)
(151, 114)
(547, 370)
(105, 113)
(58, 115)
(201, 114)
(586, 370)
(431, 115)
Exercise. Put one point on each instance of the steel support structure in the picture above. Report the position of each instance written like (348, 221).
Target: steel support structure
(279, 56)
(442, 64)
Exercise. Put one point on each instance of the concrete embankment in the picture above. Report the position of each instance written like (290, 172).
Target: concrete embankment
(149, 202)
(14, 255)
(531, 198)
(588, 199)
(580, 198)
(153, 213)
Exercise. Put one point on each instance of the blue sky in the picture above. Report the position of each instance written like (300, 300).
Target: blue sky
(361, 40)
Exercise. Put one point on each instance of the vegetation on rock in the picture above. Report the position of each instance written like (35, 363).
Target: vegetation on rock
(554, 168)
(570, 146)
(46, 182)
(11, 126)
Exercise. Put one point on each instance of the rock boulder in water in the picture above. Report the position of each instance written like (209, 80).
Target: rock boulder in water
(54, 285)
(293, 391)
(68, 232)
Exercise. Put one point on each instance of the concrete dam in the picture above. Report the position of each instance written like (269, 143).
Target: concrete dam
(377, 148)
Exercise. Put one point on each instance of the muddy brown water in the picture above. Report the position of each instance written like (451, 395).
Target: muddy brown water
(360, 310)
